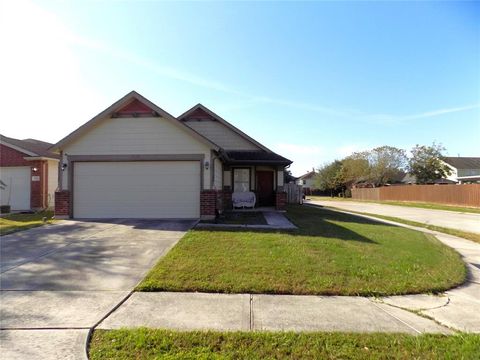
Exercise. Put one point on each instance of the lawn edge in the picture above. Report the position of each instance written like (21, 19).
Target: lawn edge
(465, 235)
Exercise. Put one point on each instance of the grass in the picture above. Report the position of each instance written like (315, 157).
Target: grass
(330, 254)
(145, 343)
(17, 222)
(240, 218)
(423, 205)
(463, 234)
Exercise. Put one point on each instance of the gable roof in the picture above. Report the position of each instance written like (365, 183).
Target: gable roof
(30, 147)
(463, 162)
(196, 108)
(308, 175)
(111, 111)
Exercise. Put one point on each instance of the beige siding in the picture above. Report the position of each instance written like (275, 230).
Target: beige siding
(310, 183)
(124, 136)
(221, 135)
(227, 178)
(218, 172)
(280, 178)
(64, 176)
(52, 182)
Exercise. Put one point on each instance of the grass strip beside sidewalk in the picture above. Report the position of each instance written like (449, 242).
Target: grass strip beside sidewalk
(143, 343)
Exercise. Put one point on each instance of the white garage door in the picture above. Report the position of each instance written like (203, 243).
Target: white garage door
(17, 192)
(143, 189)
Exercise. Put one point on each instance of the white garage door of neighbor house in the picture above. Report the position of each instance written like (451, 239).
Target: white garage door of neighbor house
(142, 189)
(16, 193)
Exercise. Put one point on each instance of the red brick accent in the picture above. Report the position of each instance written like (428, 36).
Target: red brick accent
(208, 203)
(38, 189)
(227, 198)
(12, 157)
(62, 203)
(199, 114)
(280, 200)
(135, 108)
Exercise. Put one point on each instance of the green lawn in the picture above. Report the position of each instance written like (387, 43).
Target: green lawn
(162, 344)
(330, 254)
(463, 234)
(16, 222)
(404, 203)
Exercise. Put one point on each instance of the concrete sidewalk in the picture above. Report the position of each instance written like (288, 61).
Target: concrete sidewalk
(457, 309)
(275, 221)
(245, 312)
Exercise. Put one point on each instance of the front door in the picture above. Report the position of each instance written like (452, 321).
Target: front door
(265, 188)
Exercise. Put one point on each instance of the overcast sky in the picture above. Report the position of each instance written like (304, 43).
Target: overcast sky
(312, 81)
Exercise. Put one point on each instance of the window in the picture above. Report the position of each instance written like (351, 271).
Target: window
(241, 180)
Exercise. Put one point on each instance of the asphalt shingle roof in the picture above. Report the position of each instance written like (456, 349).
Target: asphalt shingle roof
(463, 162)
(38, 147)
(256, 157)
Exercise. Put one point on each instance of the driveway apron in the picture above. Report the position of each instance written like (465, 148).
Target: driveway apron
(58, 281)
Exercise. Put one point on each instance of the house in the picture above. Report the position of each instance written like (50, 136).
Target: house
(30, 172)
(464, 169)
(308, 182)
(135, 160)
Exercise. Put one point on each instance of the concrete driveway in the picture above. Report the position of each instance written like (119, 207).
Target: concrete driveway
(469, 222)
(58, 281)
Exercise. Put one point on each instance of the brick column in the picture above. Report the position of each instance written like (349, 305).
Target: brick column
(38, 183)
(208, 203)
(280, 200)
(227, 198)
(62, 204)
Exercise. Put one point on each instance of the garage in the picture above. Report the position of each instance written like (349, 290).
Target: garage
(16, 193)
(136, 189)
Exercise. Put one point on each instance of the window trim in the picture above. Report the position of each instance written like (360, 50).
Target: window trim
(249, 177)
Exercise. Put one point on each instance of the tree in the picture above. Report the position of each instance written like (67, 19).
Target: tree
(426, 164)
(288, 177)
(386, 164)
(355, 168)
(328, 177)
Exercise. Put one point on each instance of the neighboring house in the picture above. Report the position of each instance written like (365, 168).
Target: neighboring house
(464, 169)
(308, 182)
(135, 160)
(30, 171)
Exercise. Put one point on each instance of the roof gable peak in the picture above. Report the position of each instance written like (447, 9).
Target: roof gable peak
(201, 109)
(131, 105)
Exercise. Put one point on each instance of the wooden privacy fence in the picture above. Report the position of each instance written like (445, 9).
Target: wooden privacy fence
(294, 193)
(466, 195)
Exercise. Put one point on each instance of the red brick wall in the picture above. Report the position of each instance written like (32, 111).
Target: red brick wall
(39, 190)
(11, 157)
(62, 203)
(208, 201)
(280, 200)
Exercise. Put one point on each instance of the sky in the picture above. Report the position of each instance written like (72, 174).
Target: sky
(313, 81)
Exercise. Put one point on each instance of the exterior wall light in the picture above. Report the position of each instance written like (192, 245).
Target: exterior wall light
(207, 165)
(34, 169)
(64, 166)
